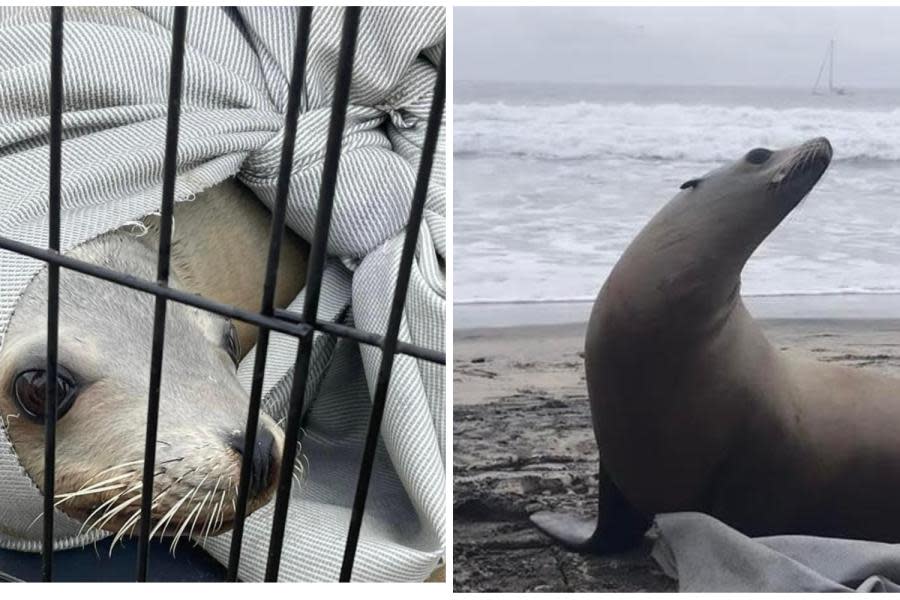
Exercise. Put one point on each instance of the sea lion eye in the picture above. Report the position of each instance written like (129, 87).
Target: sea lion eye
(233, 345)
(30, 392)
(691, 183)
(758, 156)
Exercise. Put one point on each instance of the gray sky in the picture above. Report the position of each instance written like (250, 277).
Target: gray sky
(677, 45)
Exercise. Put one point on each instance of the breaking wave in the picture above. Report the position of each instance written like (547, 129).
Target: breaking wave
(667, 132)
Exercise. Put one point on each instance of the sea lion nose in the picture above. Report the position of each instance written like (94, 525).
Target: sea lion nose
(823, 145)
(262, 474)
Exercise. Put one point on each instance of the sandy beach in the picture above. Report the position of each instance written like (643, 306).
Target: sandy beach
(523, 442)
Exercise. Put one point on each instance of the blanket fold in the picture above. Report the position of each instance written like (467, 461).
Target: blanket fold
(706, 555)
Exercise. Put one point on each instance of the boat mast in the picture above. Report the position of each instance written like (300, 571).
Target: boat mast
(831, 69)
(815, 89)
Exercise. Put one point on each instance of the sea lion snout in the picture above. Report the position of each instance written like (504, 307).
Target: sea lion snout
(815, 153)
(265, 461)
(800, 172)
(822, 144)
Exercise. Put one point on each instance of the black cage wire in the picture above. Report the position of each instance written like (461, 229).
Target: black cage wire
(302, 325)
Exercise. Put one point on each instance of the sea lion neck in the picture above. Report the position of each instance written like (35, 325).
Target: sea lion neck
(219, 258)
(679, 276)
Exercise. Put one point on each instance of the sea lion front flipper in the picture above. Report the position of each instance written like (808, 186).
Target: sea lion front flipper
(618, 526)
(571, 531)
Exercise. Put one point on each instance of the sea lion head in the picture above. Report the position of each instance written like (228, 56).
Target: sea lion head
(760, 188)
(105, 338)
(688, 259)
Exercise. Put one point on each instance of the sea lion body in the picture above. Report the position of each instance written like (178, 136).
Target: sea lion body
(220, 244)
(694, 410)
(220, 249)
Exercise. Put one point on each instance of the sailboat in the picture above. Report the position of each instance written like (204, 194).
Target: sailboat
(829, 60)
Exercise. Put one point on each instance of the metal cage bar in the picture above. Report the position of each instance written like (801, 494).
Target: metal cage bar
(52, 391)
(298, 75)
(284, 321)
(268, 319)
(364, 337)
(305, 345)
(149, 287)
(173, 114)
(388, 350)
(318, 249)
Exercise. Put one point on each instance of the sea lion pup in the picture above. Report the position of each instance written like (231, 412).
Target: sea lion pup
(219, 250)
(694, 410)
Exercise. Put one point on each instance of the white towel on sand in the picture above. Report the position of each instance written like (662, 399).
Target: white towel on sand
(237, 65)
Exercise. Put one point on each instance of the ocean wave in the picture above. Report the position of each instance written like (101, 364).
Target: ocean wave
(667, 132)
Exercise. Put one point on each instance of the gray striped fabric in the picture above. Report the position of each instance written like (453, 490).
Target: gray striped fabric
(237, 65)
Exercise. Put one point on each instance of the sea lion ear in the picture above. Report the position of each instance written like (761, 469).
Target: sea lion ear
(692, 183)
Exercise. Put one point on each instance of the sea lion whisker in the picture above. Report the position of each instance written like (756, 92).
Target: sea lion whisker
(190, 535)
(95, 488)
(122, 506)
(167, 519)
(307, 467)
(165, 522)
(69, 496)
(35, 520)
(299, 467)
(168, 516)
(202, 503)
(130, 523)
(8, 417)
(171, 514)
(115, 467)
(221, 511)
(188, 496)
(803, 162)
(213, 520)
(88, 484)
(209, 521)
(177, 481)
(177, 537)
(107, 514)
(111, 502)
(213, 516)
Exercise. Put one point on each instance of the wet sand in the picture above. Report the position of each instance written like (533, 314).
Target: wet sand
(522, 442)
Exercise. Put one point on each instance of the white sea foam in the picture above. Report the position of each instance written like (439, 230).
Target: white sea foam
(695, 133)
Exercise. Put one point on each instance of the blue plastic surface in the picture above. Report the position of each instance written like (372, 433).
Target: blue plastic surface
(94, 563)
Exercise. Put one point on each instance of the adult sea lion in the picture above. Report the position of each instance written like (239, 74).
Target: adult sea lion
(220, 244)
(694, 410)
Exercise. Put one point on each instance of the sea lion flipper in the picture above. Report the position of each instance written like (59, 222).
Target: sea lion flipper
(581, 534)
(571, 531)
(618, 527)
